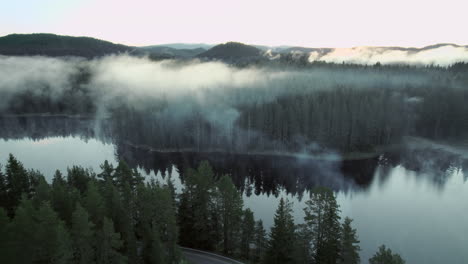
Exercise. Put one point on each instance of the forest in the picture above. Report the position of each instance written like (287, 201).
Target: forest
(253, 109)
(138, 220)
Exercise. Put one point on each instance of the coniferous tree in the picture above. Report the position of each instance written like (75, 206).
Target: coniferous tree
(53, 241)
(63, 198)
(64, 250)
(82, 236)
(93, 203)
(260, 241)
(156, 254)
(195, 209)
(282, 239)
(17, 183)
(42, 192)
(322, 220)
(109, 244)
(349, 244)
(230, 204)
(23, 229)
(386, 256)
(247, 234)
(3, 189)
(302, 248)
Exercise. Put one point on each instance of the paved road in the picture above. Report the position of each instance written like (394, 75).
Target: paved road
(201, 257)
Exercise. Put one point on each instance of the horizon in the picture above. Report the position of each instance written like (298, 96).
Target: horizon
(299, 23)
(251, 44)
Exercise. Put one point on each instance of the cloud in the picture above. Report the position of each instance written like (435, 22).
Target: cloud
(444, 55)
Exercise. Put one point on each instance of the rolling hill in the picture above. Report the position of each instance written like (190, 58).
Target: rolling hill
(56, 45)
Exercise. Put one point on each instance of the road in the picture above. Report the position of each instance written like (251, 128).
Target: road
(194, 256)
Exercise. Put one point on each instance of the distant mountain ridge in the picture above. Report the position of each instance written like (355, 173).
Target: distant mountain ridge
(56, 45)
(232, 52)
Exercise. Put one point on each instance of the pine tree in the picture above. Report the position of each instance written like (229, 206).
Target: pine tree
(302, 250)
(3, 189)
(322, 220)
(42, 192)
(17, 183)
(109, 244)
(107, 173)
(64, 248)
(53, 244)
(156, 254)
(93, 203)
(195, 209)
(62, 198)
(349, 244)
(82, 236)
(247, 234)
(230, 205)
(282, 240)
(260, 241)
(23, 227)
(386, 256)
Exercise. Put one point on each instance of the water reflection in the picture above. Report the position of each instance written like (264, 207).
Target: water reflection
(413, 199)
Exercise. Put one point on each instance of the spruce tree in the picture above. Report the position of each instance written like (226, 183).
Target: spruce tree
(386, 256)
(109, 244)
(260, 241)
(282, 240)
(322, 220)
(83, 237)
(230, 205)
(53, 243)
(349, 244)
(17, 183)
(23, 229)
(93, 203)
(247, 234)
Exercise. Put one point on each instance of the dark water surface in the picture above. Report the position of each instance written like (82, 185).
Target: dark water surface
(414, 201)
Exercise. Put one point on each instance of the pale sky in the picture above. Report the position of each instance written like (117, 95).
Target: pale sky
(326, 23)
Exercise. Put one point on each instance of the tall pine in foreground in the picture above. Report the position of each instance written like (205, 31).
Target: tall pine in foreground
(282, 239)
(260, 242)
(349, 244)
(322, 220)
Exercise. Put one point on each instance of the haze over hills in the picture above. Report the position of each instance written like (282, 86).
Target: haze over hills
(230, 52)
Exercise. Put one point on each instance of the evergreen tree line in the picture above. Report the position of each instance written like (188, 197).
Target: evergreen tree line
(83, 217)
(117, 217)
(211, 217)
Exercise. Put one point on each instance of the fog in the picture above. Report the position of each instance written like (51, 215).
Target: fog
(444, 55)
(196, 104)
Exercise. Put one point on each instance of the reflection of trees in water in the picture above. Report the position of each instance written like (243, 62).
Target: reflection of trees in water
(434, 164)
(253, 174)
(260, 174)
(41, 127)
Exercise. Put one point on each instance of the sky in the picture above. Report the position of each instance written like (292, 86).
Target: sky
(325, 23)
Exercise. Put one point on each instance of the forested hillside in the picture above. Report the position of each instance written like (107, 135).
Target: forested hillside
(56, 45)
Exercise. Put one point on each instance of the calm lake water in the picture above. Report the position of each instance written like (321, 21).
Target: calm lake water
(415, 202)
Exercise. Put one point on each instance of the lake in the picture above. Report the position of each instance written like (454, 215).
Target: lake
(414, 200)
